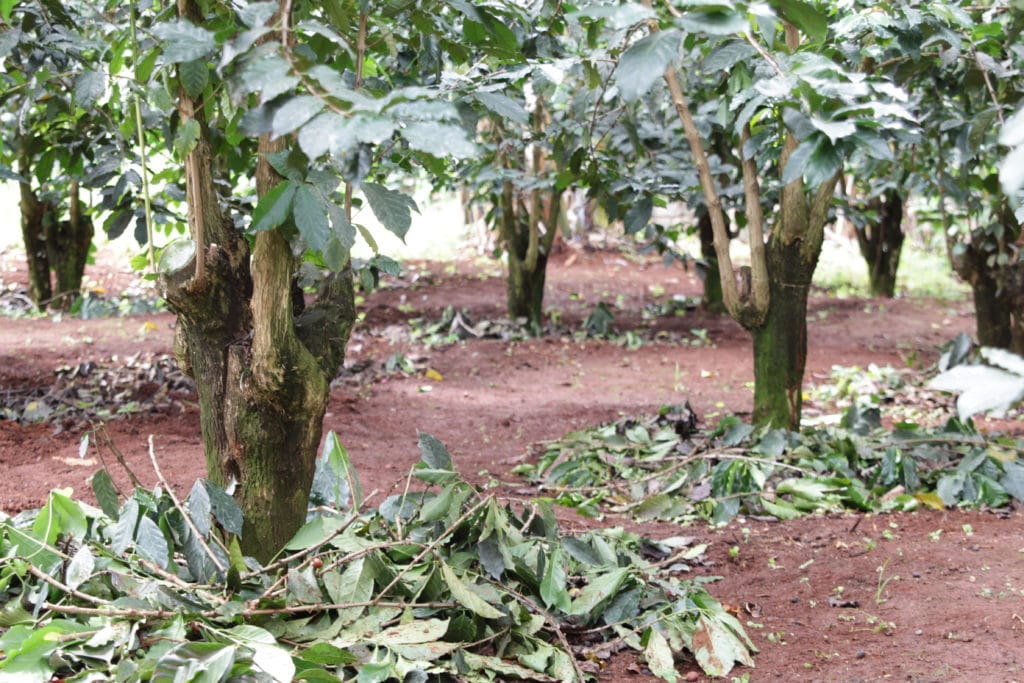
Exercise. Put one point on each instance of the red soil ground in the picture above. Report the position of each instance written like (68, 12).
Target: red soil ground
(940, 594)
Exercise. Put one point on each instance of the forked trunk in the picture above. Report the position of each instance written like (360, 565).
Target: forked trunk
(263, 372)
(34, 216)
(881, 243)
(526, 290)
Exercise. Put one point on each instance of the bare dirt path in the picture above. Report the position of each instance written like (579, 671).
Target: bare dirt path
(954, 612)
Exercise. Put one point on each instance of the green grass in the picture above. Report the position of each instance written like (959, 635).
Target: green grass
(922, 273)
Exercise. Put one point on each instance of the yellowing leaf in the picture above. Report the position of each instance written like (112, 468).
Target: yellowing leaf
(932, 500)
(434, 375)
(150, 326)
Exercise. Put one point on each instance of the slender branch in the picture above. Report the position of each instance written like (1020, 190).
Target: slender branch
(184, 514)
(764, 53)
(988, 85)
(63, 587)
(147, 201)
(760, 284)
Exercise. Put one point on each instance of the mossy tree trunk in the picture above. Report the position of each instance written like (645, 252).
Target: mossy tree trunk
(263, 371)
(56, 251)
(993, 269)
(519, 217)
(881, 242)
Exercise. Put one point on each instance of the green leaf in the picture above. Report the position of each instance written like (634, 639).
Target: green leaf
(106, 494)
(294, 114)
(433, 453)
(194, 76)
(504, 107)
(805, 16)
(325, 653)
(225, 509)
(393, 209)
(553, 586)
(183, 41)
(638, 215)
(1013, 480)
(714, 22)
(659, 656)
(727, 55)
(274, 207)
(440, 506)
(60, 515)
(302, 586)
(465, 596)
(310, 214)
(645, 62)
(596, 593)
(835, 130)
(5, 11)
(199, 508)
(195, 663)
(268, 656)
(151, 543)
(80, 568)
(187, 137)
(440, 139)
(90, 86)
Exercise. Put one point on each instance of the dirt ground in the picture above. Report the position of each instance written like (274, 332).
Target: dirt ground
(930, 596)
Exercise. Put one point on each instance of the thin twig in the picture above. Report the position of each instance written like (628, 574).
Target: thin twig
(185, 515)
(109, 443)
(63, 587)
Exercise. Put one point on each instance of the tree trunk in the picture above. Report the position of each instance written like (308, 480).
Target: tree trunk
(263, 373)
(780, 344)
(52, 245)
(881, 243)
(991, 311)
(527, 250)
(525, 290)
(68, 244)
(34, 216)
(708, 269)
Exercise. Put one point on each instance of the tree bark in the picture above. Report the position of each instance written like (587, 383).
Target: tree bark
(881, 242)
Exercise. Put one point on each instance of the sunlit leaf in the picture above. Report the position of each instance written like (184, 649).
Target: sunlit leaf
(392, 208)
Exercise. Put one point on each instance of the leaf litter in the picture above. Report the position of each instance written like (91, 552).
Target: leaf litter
(661, 468)
(445, 580)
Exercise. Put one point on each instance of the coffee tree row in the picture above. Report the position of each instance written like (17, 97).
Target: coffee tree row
(263, 130)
